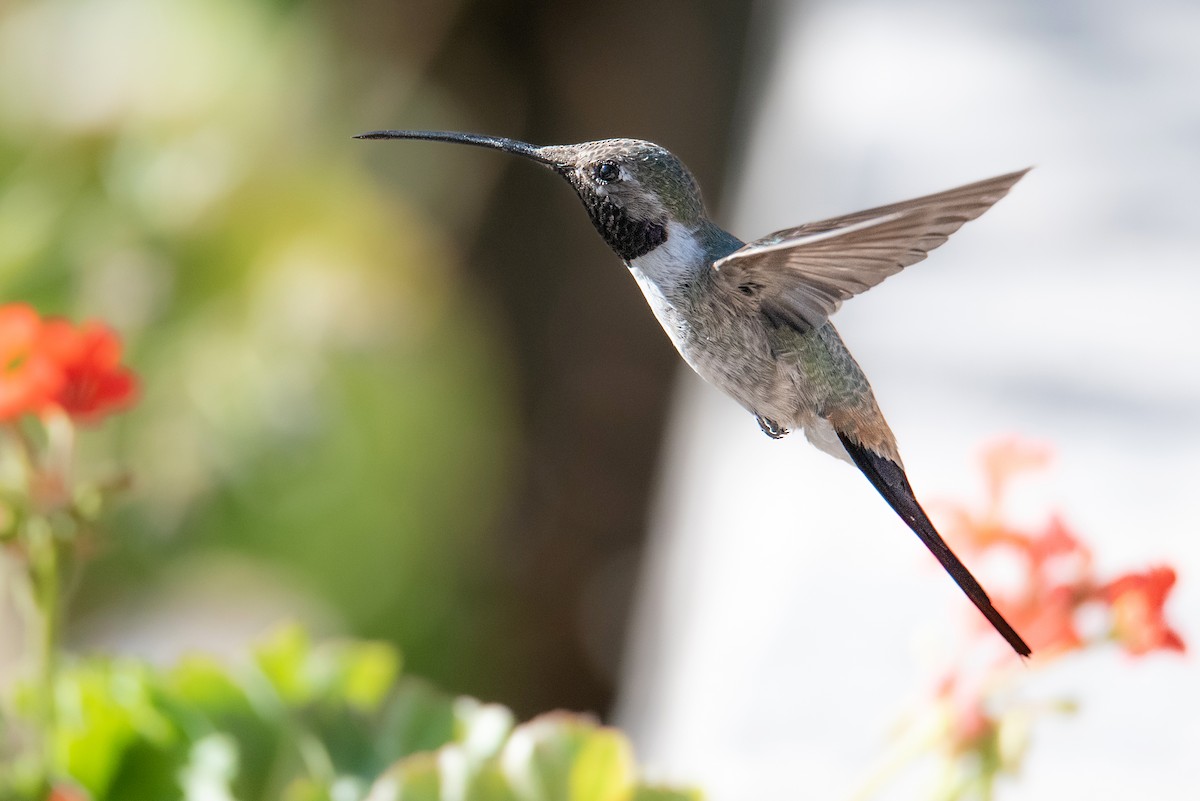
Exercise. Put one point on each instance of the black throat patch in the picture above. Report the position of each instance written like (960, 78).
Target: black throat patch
(630, 238)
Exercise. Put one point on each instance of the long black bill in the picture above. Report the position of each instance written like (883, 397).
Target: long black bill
(495, 142)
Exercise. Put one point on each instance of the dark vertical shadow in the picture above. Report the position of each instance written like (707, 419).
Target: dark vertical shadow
(594, 370)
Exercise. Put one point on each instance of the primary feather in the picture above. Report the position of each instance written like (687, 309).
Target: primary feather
(799, 276)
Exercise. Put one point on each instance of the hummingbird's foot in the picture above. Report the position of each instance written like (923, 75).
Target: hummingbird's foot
(771, 428)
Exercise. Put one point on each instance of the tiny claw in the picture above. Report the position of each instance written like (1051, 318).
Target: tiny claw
(771, 428)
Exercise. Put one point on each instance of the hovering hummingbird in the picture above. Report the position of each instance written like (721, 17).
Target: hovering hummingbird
(753, 319)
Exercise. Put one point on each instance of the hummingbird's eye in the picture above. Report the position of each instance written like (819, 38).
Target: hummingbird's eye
(607, 171)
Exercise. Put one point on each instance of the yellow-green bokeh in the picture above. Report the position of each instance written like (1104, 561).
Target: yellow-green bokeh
(324, 403)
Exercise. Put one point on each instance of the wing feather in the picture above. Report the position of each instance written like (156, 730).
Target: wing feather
(799, 276)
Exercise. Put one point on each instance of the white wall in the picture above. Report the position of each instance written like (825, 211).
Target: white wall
(787, 617)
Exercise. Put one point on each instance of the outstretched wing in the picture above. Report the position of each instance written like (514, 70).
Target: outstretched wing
(800, 276)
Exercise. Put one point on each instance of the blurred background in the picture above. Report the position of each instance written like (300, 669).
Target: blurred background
(402, 390)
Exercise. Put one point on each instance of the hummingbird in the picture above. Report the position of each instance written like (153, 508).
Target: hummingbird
(753, 318)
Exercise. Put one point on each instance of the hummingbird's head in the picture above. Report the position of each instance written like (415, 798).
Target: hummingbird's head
(632, 189)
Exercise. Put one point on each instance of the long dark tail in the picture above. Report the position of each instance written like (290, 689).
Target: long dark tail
(889, 478)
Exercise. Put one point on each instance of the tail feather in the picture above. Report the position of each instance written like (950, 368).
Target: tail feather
(891, 482)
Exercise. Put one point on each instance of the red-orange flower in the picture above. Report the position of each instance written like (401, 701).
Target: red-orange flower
(1045, 616)
(1005, 459)
(984, 529)
(29, 377)
(1058, 581)
(1137, 601)
(1057, 543)
(95, 384)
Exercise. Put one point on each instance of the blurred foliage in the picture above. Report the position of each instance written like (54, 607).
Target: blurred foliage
(323, 398)
(318, 722)
(336, 420)
(293, 721)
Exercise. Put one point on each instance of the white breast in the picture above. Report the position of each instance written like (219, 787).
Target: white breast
(661, 274)
(674, 260)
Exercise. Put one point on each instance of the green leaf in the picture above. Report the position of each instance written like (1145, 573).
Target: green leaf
(368, 671)
(489, 784)
(306, 789)
(540, 755)
(283, 659)
(413, 779)
(556, 757)
(419, 718)
(205, 699)
(666, 794)
(106, 711)
(356, 673)
(305, 722)
(211, 769)
(481, 729)
(203, 685)
(603, 770)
